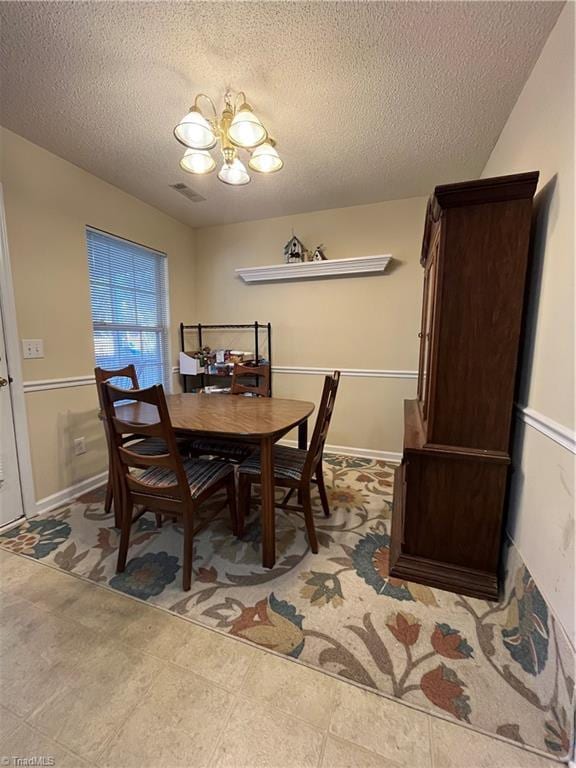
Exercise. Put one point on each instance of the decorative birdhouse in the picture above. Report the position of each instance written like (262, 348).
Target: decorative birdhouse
(318, 254)
(294, 251)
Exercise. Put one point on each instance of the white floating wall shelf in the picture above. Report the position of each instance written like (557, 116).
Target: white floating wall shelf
(359, 265)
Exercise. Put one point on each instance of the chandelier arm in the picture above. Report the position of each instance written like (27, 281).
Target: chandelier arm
(209, 100)
(240, 93)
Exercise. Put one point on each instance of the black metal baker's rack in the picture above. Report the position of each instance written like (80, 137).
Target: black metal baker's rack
(204, 378)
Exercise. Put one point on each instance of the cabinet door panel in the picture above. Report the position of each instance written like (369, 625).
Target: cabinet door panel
(427, 328)
(422, 336)
(453, 509)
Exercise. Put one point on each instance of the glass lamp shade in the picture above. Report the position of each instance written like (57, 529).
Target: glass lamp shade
(234, 173)
(245, 129)
(194, 131)
(197, 161)
(265, 159)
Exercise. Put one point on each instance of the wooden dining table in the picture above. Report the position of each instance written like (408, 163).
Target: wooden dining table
(259, 420)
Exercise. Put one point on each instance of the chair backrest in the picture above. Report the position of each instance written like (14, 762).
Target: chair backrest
(101, 375)
(316, 448)
(119, 427)
(260, 372)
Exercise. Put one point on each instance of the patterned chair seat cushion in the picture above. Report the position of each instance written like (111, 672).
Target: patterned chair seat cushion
(200, 475)
(221, 447)
(288, 463)
(153, 446)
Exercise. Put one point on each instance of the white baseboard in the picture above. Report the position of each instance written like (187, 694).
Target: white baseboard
(13, 524)
(544, 594)
(48, 503)
(345, 450)
(62, 497)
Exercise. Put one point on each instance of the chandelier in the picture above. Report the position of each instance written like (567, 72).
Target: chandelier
(237, 129)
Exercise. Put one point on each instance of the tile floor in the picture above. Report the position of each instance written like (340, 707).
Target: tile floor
(94, 678)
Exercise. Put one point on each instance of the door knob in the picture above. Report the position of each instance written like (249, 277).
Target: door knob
(3, 382)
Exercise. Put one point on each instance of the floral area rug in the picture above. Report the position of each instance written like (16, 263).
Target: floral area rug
(505, 668)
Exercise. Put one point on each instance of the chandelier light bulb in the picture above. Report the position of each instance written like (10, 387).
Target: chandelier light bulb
(234, 173)
(194, 131)
(245, 129)
(197, 161)
(265, 159)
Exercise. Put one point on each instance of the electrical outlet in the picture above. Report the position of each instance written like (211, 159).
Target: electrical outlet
(79, 446)
(33, 348)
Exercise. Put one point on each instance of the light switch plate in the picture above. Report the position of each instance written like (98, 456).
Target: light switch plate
(33, 348)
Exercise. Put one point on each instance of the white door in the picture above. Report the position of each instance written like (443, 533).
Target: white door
(11, 506)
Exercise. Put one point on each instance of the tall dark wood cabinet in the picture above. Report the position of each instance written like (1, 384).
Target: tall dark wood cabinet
(451, 485)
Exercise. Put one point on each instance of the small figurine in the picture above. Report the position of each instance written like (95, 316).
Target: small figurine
(318, 254)
(294, 250)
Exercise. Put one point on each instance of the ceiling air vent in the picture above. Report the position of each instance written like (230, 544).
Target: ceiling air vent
(187, 192)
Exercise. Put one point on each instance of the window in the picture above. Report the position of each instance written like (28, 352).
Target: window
(128, 291)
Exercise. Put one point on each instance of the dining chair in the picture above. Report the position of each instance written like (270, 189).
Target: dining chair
(146, 445)
(230, 450)
(169, 485)
(260, 372)
(295, 469)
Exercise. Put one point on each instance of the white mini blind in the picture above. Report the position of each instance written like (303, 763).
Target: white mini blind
(129, 295)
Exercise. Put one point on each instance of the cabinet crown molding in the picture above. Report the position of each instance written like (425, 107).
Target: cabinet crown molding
(514, 187)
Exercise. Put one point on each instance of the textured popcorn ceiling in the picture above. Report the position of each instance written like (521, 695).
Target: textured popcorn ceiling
(368, 101)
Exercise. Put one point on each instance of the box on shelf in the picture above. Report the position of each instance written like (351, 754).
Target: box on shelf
(220, 369)
(189, 365)
(218, 362)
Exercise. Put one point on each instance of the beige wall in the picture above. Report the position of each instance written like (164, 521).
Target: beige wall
(539, 135)
(368, 322)
(365, 323)
(48, 204)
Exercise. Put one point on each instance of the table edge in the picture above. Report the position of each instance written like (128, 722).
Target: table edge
(236, 435)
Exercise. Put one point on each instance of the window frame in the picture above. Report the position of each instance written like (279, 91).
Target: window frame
(165, 347)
